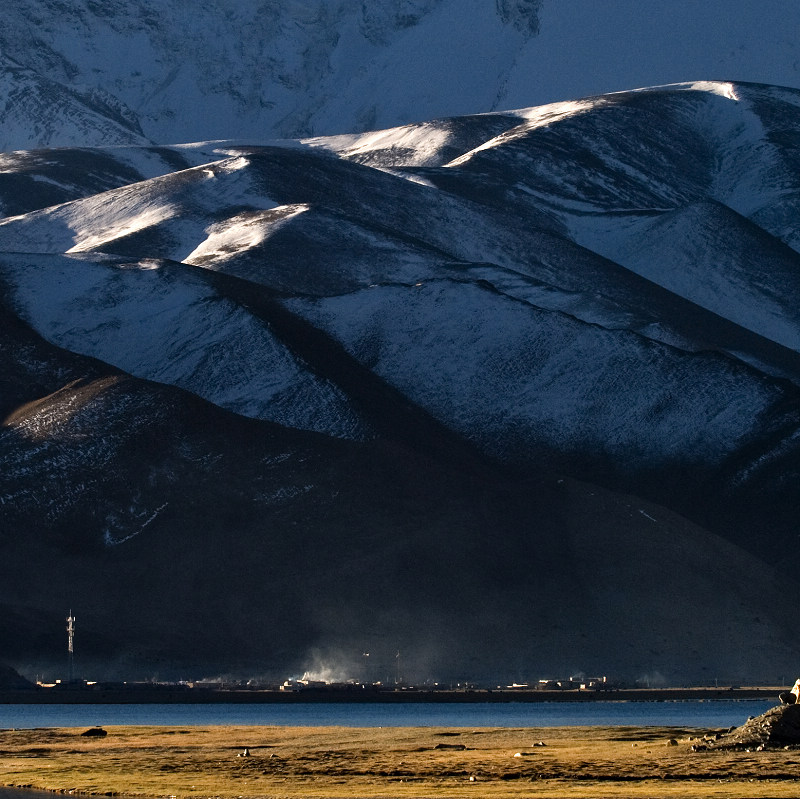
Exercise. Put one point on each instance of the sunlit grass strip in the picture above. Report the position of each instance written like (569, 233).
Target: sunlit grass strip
(396, 762)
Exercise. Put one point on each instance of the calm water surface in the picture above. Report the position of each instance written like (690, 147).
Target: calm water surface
(709, 713)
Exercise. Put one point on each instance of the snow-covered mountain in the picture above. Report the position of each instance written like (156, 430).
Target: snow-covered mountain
(546, 358)
(89, 73)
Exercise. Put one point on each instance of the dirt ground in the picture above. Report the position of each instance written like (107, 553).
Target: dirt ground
(391, 763)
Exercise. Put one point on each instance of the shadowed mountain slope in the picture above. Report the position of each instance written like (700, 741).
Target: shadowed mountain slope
(439, 388)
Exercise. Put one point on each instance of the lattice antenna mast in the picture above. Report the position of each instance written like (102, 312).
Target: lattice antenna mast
(70, 643)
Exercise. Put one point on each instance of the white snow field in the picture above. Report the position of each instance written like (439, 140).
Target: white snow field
(165, 72)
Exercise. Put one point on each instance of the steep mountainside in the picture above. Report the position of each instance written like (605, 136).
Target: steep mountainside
(442, 387)
(88, 73)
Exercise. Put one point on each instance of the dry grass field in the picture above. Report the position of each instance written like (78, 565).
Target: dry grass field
(391, 762)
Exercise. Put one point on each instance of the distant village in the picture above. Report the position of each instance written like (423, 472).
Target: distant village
(306, 689)
(309, 684)
(323, 686)
(576, 683)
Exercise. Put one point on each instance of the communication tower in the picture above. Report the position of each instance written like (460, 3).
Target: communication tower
(70, 643)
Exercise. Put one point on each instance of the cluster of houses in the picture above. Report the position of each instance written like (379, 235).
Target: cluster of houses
(574, 683)
(578, 683)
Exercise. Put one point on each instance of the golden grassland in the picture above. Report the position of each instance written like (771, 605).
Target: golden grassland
(391, 762)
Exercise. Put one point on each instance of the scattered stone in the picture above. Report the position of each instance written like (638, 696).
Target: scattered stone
(672, 742)
(246, 753)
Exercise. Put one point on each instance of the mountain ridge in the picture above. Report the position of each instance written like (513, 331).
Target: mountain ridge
(440, 387)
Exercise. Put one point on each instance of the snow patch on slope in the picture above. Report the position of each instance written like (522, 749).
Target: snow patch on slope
(519, 380)
(243, 232)
(179, 206)
(419, 145)
(161, 323)
(713, 257)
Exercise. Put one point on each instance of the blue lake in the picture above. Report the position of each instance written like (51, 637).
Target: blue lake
(709, 713)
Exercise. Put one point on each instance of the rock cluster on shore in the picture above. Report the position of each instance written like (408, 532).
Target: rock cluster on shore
(777, 728)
